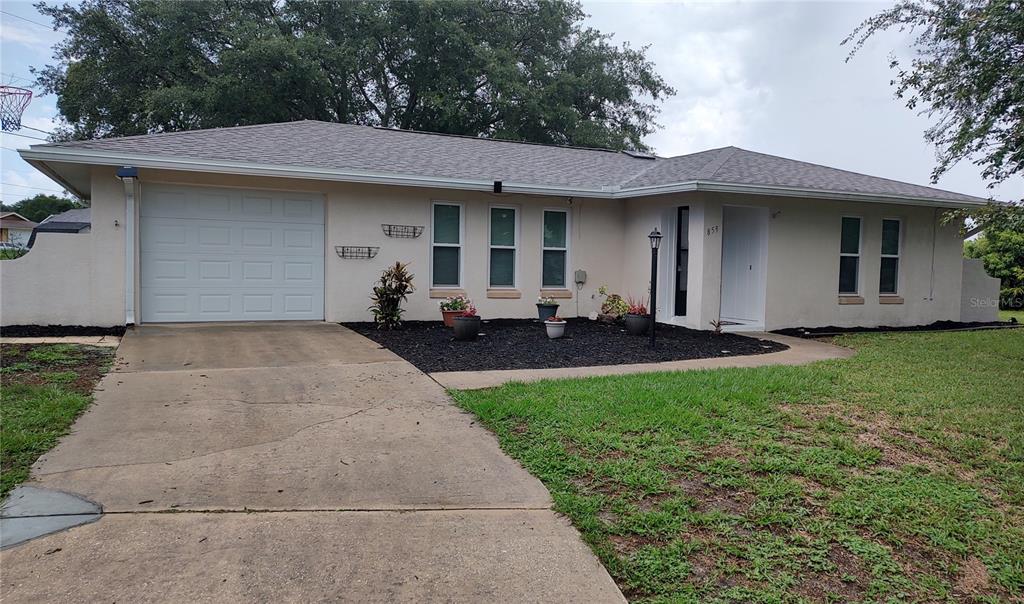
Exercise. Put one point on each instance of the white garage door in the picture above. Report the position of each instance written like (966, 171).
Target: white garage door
(212, 254)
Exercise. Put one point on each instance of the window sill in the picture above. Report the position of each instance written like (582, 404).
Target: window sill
(851, 300)
(441, 292)
(509, 294)
(890, 299)
(562, 294)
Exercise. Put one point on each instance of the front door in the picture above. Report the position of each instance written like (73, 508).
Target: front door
(744, 238)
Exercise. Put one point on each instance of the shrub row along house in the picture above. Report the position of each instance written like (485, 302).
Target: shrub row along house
(297, 220)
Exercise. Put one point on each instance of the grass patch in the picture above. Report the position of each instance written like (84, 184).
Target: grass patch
(897, 474)
(45, 387)
(1006, 315)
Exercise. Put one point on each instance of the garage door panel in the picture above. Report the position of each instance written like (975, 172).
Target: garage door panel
(247, 255)
(170, 201)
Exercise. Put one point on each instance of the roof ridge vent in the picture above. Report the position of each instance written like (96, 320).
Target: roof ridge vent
(639, 154)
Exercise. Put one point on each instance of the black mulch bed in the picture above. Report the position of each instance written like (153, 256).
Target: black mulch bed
(524, 344)
(53, 331)
(824, 332)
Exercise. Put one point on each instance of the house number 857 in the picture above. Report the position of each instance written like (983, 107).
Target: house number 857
(712, 230)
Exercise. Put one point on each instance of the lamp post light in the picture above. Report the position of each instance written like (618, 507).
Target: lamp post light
(655, 238)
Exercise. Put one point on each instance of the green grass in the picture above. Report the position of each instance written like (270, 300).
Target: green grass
(44, 389)
(895, 475)
(1006, 315)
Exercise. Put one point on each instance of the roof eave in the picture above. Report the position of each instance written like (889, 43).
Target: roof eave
(37, 156)
(782, 191)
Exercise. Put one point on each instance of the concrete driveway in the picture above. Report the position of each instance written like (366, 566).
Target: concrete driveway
(291, 462)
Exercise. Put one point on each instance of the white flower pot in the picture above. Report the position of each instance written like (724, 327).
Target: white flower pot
(555, 329)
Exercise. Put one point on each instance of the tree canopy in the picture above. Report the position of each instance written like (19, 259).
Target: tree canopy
(39, 206)
(968, 72)
(513, 69)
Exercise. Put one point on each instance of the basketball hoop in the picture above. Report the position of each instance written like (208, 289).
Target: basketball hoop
(13, 101)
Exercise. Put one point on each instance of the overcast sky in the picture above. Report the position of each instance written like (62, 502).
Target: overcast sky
(764, 76)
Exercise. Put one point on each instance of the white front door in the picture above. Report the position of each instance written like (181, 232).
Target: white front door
(219, 254)
(744, 239)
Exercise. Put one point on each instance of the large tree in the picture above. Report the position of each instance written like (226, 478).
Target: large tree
(39, 206)
(967, 71)
(515, 69)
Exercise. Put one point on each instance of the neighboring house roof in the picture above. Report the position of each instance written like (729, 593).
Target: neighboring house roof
(333, 151)
(13, 220)
(71, 221)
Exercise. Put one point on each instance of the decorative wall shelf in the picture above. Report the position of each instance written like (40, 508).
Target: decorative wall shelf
(404, 231)
(356, 252)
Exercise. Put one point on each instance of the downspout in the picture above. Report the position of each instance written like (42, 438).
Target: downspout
(935, 234)
(128, 176)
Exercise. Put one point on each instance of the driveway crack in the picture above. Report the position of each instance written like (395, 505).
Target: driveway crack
(209, 453)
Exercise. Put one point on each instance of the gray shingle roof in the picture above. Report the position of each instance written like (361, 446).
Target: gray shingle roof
(346, 147)
(72, 215)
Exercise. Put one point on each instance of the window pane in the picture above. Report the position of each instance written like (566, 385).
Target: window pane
(446, 266)
(503, 268)
(446, 224)
(554, 269)
(851, 236)
(848, 274)
(890, 237)
(554, 229)
(503, 226)
(888, 275)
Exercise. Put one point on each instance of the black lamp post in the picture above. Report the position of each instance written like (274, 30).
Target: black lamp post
(655, 238)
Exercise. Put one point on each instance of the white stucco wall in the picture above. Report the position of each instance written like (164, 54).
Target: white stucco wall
(803, 261)
(608, 240)
(979, 298)
(71, 278)
(354, 214)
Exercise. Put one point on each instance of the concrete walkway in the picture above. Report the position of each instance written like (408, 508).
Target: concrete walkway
(800, 352)
(105, 341)
(291, 462)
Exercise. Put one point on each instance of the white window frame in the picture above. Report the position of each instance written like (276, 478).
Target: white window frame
(898, 256)
(460, 245)
(859, 255)
(566, 249)
(514, 248)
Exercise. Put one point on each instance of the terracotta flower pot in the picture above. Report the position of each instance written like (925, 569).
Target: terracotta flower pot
(556, 329)
(466, 328)
(637, 325)
(449, 316)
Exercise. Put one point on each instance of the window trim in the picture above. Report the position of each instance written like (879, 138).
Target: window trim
(898, 256)
(566, 249)
(859, 255)
(514, 248)
(460, 245)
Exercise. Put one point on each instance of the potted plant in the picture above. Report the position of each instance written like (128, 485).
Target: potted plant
(555, 326)
(452, 307)
(467, 324)
(546, 308)
(637, 319)
(613, 308)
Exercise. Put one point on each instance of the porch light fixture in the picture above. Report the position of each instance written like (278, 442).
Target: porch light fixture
(655, 238)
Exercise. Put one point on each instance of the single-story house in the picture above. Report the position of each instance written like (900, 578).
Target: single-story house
(297, 221)
(15, 228)
(75, 220)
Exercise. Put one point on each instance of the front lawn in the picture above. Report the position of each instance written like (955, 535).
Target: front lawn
(45, 387)
(1006, 315)
(897, 474)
